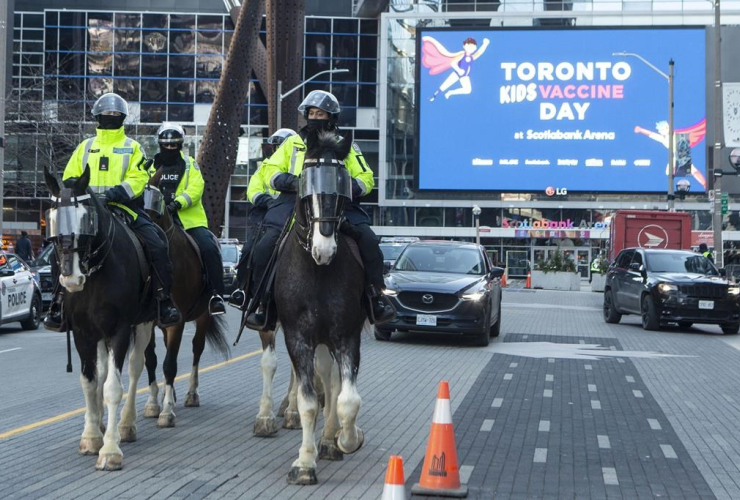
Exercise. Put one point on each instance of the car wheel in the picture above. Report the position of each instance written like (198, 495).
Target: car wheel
(731, 329)
(610, 311)
(650, 320)
(484, 337)
(496, 328)
(34, 319)
(382, 335)
(685, 324)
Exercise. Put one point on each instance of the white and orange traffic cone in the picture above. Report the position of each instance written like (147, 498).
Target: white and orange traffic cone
(528, 283)
(440, 475)
(394, 488)
(503, 280)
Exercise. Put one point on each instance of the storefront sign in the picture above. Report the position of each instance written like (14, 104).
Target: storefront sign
(699, 237)
(526, 224)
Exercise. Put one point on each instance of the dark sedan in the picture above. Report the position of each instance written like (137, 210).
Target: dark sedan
(445, 286)
(670, 286)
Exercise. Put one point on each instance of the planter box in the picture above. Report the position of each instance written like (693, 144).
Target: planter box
(556, 281)
(597, 282)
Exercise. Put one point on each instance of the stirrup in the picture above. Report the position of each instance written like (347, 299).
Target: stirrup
(238, 299)
(216, 305)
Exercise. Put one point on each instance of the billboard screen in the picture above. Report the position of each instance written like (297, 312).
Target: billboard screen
(527, 110)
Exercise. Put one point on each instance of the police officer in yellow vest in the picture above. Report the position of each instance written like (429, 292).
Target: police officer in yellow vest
(118, 174)
(704, 250)
(321, 110)
(182, 186)
(261, 197)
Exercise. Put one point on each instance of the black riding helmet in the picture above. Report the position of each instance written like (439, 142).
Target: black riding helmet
(171, 133)
(322, 100)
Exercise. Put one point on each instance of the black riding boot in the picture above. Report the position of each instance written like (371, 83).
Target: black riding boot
(238, 299)
(167, 313)
(216, 305)
(383, 310)
(54, 319)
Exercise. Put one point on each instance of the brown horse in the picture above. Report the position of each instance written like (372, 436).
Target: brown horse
(191, 296)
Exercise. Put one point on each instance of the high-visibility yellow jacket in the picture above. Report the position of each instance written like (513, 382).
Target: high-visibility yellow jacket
(189, 193)
(259, 186)
(114, 160)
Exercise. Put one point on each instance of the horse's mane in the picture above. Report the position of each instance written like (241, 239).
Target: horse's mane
(326, 142)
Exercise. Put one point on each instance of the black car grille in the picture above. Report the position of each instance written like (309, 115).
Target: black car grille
(704, 291)
(415, 300)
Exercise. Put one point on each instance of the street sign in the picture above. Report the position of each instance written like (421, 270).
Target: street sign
(725, 203)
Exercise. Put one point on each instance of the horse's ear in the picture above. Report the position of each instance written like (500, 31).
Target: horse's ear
(82, 182)
(52, 182)
(345, 145)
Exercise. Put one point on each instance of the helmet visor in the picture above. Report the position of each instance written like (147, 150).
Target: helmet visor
(153, 200)
(322, 100)
(110, 102)
(325, 180)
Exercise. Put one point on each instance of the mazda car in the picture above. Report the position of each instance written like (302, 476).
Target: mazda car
(446, 287)
(670, 286)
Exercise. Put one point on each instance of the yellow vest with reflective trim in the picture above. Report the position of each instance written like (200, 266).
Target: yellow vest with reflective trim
(189, 193)
(124, 165)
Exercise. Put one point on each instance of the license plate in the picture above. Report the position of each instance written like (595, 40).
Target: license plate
(706, 304)
(45, 296)
(426, 320)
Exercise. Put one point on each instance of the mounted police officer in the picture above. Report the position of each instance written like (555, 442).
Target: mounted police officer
(182, 185)
(261, 197)
(118, 175)
(321, 110)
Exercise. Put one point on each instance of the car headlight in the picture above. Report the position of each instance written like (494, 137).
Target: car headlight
(390, 292)
(733, 290)
(473, 296)
(666, 288)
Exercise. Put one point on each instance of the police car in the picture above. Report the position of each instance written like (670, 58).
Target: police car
(20, 297)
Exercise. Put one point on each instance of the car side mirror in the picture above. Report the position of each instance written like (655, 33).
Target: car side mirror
(636, 267)
(386, 267)
(5, 272)
(496, 272)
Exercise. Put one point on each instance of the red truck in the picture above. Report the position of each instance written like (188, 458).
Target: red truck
(649, 229)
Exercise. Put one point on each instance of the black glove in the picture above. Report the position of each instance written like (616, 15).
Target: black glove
(148, 164)
(269, 202)
(173, 207)
(264, 201)
(287, 183)
(116, 194)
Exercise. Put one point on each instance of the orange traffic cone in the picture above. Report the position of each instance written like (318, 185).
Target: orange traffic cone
(394, 488)
(528, 284)
(440, 475)
(503, 280)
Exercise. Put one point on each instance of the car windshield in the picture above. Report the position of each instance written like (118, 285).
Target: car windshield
(670, 262)
(44, 258)
(441, 259)
(391, 252)
(229, 253)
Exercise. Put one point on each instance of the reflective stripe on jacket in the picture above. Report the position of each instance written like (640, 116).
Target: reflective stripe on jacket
(123, 167)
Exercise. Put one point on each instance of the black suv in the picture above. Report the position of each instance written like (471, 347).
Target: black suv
(670, 286)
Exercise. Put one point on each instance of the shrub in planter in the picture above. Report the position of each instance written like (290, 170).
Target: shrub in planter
(556, 273)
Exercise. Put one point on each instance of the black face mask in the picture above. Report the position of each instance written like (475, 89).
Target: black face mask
(313, 125)
(168, 156)
(110, 122)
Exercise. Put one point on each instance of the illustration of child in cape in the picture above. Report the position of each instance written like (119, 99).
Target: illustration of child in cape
(684, 140)
(438, 59)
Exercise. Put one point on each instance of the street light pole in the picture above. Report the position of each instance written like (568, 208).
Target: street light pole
(671, 140)
(717, 156)
(280, 96)
(476, 214)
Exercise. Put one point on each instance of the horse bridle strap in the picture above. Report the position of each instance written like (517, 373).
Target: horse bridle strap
(75, 199)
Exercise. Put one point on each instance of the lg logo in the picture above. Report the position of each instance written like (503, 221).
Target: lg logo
(553, 191)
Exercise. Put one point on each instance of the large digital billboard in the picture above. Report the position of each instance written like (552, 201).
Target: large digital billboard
(524, 110)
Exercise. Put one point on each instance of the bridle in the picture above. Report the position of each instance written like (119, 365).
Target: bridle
(64, 244)
(304, 232)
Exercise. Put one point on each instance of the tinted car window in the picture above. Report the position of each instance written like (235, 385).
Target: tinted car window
(15, 263)
(441, 259)
(229, 253)
(637, 258)
(625, 258)
(391, 252)
(680, 263)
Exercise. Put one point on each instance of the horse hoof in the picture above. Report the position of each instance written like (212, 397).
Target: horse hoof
(265, 426)
(302, 476)
(128, 433)
(166, 420)
(292, 420)
(90, 446)
(192, 400)
(152, 411)
(348, 447)
(283, 407)
(329, 451)
(109, 461)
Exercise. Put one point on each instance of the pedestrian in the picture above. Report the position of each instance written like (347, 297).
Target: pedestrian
(23, 247)
(704, 250)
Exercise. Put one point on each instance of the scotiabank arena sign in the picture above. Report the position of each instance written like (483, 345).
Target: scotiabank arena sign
(567, 228)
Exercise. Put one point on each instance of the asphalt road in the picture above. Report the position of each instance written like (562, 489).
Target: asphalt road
(562, 405)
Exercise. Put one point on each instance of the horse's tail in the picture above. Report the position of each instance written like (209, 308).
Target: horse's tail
(216, 335)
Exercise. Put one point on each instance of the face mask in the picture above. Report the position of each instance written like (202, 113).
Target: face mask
(110, 122)
(168, 156)
(315, 125)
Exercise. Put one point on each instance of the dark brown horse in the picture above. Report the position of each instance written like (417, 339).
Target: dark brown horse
(191, 296)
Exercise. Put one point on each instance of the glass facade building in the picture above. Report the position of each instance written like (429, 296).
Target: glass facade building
(167, 65)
